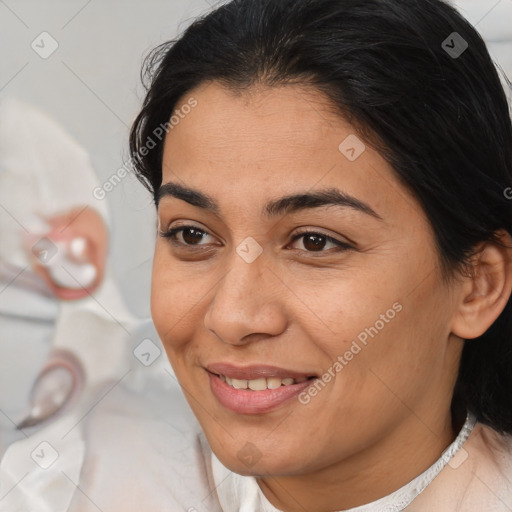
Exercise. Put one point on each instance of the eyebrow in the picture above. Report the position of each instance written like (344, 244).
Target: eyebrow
(287, 204)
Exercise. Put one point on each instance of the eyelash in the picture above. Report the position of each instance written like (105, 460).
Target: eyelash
(171, 235)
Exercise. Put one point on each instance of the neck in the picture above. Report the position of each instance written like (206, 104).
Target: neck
(381, 469)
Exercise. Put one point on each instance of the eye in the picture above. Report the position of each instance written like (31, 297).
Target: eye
(316, 242)
(191, 236)
(185, 235)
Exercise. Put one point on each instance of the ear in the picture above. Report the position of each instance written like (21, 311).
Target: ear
(484, 292)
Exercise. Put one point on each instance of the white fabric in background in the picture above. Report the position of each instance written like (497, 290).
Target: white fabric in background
(44, 170)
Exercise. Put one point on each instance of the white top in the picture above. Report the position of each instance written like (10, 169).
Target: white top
(140, 448)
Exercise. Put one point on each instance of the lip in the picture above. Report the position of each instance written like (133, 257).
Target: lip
(255, 371)
(244, 401)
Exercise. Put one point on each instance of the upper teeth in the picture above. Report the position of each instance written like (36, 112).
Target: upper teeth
(260, 384)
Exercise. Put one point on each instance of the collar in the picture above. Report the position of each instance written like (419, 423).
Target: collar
(239, 493)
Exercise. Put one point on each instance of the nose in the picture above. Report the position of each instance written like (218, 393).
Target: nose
(247, 304)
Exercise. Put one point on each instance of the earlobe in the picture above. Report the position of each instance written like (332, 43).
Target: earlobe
(484, 292)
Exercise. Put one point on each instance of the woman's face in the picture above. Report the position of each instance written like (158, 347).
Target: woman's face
(304, 270)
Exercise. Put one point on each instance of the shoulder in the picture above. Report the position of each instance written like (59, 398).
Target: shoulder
(478, 477)
(489, 454)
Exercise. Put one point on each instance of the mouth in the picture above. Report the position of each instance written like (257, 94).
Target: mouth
(255, 389)
(262, 383)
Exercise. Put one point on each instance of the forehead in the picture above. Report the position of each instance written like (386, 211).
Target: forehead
(278, 116)
(264, 141)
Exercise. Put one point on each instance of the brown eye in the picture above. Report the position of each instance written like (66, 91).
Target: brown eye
(192, 236)
(185, 235)
(316, 242)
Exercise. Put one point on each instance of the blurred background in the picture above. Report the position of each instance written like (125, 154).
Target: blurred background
(80, 61)
(90, 84)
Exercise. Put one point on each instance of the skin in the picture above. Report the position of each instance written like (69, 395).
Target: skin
(385, 417)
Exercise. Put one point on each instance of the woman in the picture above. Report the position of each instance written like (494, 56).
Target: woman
(333, 275)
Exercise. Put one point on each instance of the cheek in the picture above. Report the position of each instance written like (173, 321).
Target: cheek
(354, 305)
(399, 351)
(374, 323)
(174, 301)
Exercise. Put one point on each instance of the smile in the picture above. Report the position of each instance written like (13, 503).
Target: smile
(256, 389)
(261, 383)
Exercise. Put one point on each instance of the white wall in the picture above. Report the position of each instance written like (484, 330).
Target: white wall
(493, 19)
(91, 86)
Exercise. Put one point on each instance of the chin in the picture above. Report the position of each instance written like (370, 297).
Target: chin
(250, 461)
